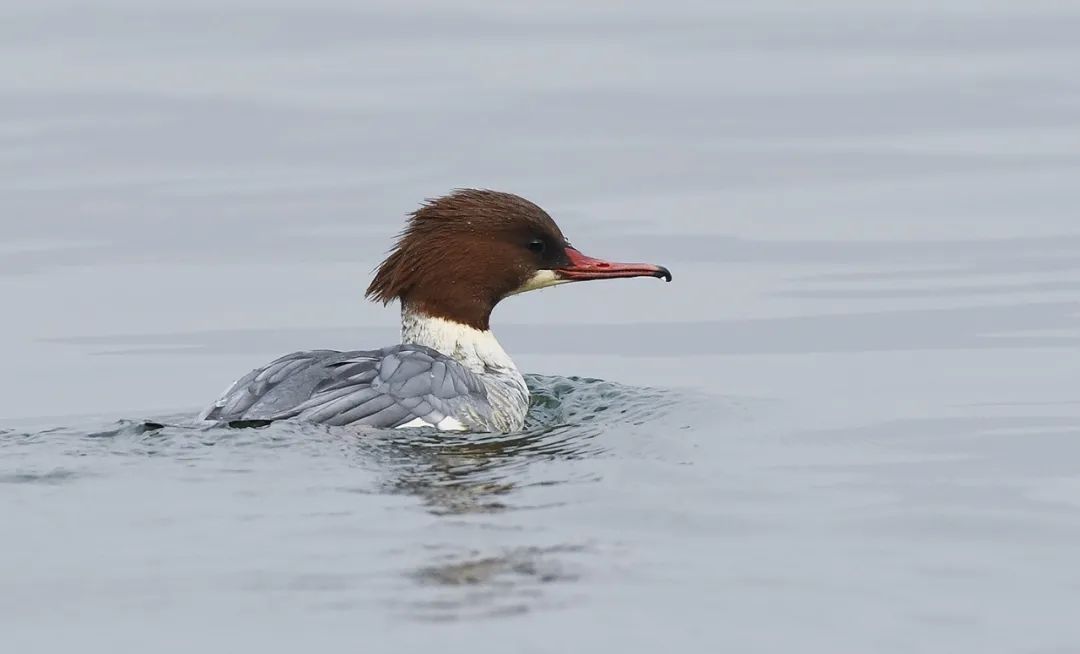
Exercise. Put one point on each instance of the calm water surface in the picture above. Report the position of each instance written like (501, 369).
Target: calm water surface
(849, 425)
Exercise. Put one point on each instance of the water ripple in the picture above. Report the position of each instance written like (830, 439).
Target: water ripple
(464, 482)
(452, 473)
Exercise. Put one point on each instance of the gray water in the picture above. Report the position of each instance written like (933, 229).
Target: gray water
(849, 425)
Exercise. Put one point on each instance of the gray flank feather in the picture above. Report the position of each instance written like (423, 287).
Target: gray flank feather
(378, 388)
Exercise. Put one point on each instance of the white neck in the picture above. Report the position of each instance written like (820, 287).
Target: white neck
(475, 349)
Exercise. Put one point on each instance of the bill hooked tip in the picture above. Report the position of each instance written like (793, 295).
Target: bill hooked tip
(663, 273)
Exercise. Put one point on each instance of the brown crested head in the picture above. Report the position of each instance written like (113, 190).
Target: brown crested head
(460, 254)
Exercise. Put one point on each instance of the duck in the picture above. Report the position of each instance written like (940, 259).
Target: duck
(458, 256)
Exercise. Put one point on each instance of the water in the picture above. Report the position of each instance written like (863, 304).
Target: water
(850, 421)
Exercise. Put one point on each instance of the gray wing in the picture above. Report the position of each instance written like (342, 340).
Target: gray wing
(378, 388)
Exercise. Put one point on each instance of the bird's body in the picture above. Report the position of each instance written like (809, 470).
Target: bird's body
(443, 375)
(459, 256)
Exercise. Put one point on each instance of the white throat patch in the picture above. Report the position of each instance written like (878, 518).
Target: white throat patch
(477, 350)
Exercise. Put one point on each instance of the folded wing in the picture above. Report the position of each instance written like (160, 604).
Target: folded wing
(391, 387)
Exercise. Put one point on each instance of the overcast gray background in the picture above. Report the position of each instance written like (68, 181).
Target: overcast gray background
(870, 210)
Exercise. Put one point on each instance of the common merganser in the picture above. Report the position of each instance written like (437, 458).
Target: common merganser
(458, 256)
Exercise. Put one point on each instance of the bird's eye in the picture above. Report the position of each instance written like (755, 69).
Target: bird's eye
(537, 246)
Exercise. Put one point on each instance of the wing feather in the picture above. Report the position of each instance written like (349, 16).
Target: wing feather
(379, 388)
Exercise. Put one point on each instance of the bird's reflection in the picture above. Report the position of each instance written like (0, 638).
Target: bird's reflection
(458, 474)
(474, 474)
